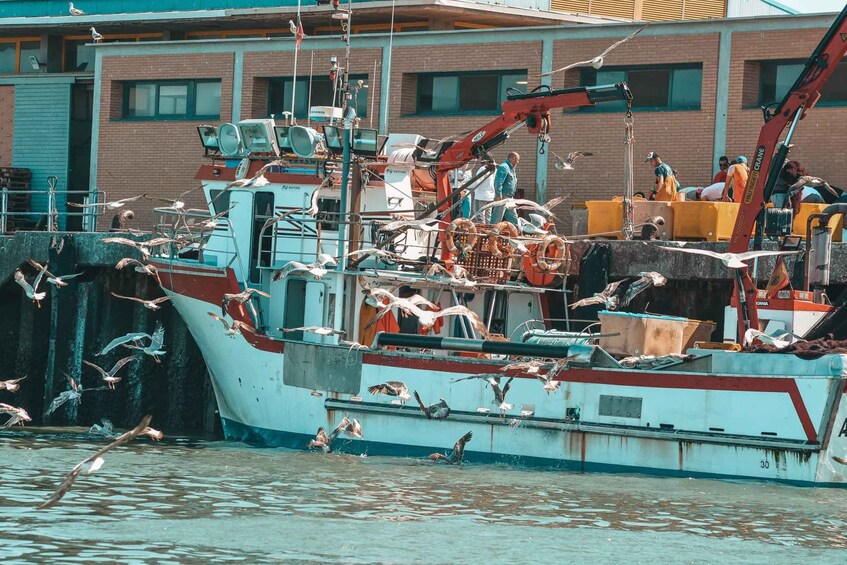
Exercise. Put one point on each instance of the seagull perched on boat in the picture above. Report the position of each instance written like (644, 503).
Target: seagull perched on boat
(113, 205)
(455, 458)
(109, 376)
(96, 36)
(597, 61)
(11, 385)
(315, 329)
(31, 291)
(731, 260)
(522, 204)
(135, 338)
(74, 11)
(500, 394)
(234, 328)
(391, 388)
(57, 281)
(566, 164)
(149, 304)
(18, 415)
(94, 462)
(437, 411)
(315, 269)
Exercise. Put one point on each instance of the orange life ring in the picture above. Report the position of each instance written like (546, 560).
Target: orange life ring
(544, 260)
(496, 233)
(461, 227)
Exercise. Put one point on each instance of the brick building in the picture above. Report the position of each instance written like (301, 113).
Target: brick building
(698, 86)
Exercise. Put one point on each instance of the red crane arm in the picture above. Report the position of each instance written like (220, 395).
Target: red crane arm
(533, 109)
(802, 97)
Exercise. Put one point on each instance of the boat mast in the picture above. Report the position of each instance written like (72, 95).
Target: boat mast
(347, 123)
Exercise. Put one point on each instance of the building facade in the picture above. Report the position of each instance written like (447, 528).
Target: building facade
(698, 88)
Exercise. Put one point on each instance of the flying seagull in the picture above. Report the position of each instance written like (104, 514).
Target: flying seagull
(244, 296)
(455, 458)
(731, 260)
(74, 11)
(391, 388)
(72, 395)
(94, 462)
(11, 385)
(316, 269)
(149, 304)
(31, 291)
(154, 348)
(522, 204)
(425, 224)
(566, 163)
(18, 415)
(109, 376)
(135, 338)
(57, 281)
(323, 441)
(500, 394)
(550, 385)
(636, 287)
(813, 182)
(437, 411)
(234, 328)
(139, 267)
(113, 205)
(597, 61)
(607, 297)
(319, 330)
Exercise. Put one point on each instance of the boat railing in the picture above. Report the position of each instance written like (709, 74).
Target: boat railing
(17, 214)
(192, 235)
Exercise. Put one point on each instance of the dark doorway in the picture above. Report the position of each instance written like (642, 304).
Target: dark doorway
(79, 158)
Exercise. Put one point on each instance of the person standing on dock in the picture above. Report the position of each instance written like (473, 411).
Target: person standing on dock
(736, 180)
(723, 165)
(505, 185)
(666, 186)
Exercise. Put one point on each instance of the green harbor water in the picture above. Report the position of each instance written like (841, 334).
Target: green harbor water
(186, 500)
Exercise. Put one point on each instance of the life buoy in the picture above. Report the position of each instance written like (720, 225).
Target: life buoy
(497, 232)
(461, 227)
(547, 262)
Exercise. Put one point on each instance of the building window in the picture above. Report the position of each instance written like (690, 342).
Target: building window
(777, 77)
(15, 53)
(8, 57)
(29, 48)
(79, 57)
(279, 95)
(677, 87)
(172, 100)
(465, 93)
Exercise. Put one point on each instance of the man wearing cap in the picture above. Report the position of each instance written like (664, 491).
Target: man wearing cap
(665, 186)
(736, 180)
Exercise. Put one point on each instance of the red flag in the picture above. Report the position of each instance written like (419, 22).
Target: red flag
(297, 31)
(779, 279)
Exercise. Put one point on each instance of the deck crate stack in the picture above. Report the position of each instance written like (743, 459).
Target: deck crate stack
(17, 181)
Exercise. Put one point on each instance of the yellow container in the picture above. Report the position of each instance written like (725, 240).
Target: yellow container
(645, 210)
(704, 221)
(802, 217)
(605, 217)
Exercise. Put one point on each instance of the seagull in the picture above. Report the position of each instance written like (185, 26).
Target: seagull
(254, 181)
(292, 27)
(58, 282)
(149, 304)
(135, 338)
(549, 384)
(391, 388)
(426, 318)
(323, 441)
(313, 208)
(597, 61)
(352, 429)
(139, 267)
(96, 36)
(522, 204)
(11, 385)
(114, 205)
(532, 367)
(455, 458)
(74, 11)
(500, 394)
(73, 394)
(315, 329)
(813, 182)
(30, 291)
(18, 415)
(438, 411)
(141, 246)
(425, 224)
(566, 164)
(648, 279)
(607, 297)
(315, 269)
(456, 275)
(731, 260)
(154, 348)
(109, 377)
(105, 429)
(381, 253)
(232, 329)
(212, 223)
(94, 462)
(244, 296)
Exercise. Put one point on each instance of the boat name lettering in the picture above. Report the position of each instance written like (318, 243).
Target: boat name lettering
(843, 432)
(290, 187)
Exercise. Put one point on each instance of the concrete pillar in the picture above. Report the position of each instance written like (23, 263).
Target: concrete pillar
(179, 372)
(135, 371)
(722, 96)
(50, 53)
(541, 158)
(77, 348)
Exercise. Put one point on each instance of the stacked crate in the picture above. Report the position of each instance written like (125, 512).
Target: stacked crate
(18, 181)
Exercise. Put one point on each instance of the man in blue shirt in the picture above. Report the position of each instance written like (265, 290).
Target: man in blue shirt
(505, 185)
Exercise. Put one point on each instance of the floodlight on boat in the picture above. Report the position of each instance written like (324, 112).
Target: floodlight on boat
(365, 142)
(282, 140)
(304, 141)
(257, 136)
(209, 137)
(333, 139)
(229, 139)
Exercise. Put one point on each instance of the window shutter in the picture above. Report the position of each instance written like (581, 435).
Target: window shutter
(702, 9)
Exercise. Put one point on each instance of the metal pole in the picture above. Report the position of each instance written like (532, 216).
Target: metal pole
(296, 52)
(348, 131)
(4, 210)
(383, 119)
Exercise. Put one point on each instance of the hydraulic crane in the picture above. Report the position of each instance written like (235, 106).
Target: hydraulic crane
(770, 154)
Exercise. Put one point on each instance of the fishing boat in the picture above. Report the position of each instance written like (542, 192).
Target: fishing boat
(326, 221)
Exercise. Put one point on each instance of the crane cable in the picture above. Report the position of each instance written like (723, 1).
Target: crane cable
(629, 141)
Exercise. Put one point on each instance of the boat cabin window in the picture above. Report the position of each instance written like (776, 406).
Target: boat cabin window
(295, 307)
(329, 212)
(219, 201)
(260, 251)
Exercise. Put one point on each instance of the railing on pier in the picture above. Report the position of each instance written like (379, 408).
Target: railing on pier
(16, 212)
